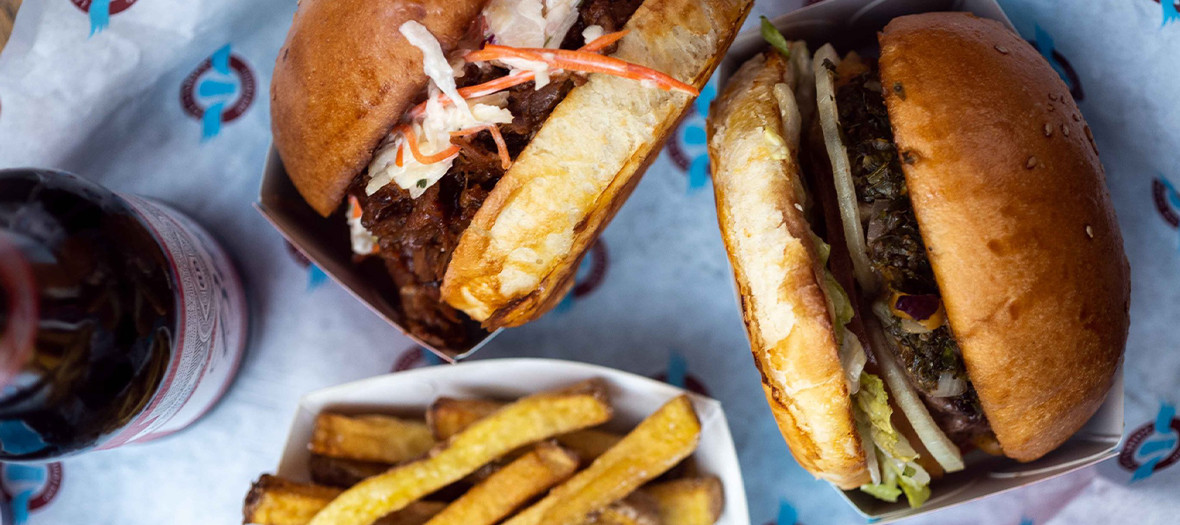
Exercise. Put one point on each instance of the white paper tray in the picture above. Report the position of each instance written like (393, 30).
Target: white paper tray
(410, 393)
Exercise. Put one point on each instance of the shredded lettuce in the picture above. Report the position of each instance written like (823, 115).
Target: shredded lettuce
(841, 304)
(882, 491)
(900, 473)
(874, 404)
(775, 38)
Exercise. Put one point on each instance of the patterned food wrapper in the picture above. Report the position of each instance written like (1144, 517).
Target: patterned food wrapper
(167, 99)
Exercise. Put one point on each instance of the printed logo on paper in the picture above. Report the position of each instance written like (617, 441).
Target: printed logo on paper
(218, 91)
(415, 357)
(1171, 9)
(1167, 201)
(687, 149)
(100, 11)
(29, 487)
(591, 273)
(1043, 42)
(315, 276)
(677, 375)
(786, 512)
(1153, 446)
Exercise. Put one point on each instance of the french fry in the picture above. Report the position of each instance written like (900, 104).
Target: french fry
(528, 420)
(510, 487)
(376, 438)
(589, 443)
(689, 501)
(654, 446)
(275, 501)
(340, 472)
(636, 509)
(449, 415)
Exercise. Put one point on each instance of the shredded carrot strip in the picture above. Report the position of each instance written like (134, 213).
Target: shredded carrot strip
(501, 146)
(398, 159)
(412, 141)
(520, 77)
(600, 43)
(354, 207)
(479, 90)
(582, 61)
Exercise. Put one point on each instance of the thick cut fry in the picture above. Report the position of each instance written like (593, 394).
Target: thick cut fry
(510, 487)
(531, 419)
(689, 501)
(589, 443)
(275, 501)
(449, 415)
(656, 445)
(376, 438)
(636, 509)
(341, 472)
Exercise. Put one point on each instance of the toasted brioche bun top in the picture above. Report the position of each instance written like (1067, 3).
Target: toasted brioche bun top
(760, 199)
(342, 80)
(1012, 204)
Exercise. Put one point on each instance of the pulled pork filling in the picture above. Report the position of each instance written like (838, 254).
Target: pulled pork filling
(417, 236)
(924, 343)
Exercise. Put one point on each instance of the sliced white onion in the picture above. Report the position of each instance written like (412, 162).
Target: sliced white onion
(804, 80)
(941, 448)
(949, 385)
(853, 359)
(825, 92)
(913, 327)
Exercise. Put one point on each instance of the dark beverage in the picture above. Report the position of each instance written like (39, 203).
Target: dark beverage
(120, 320)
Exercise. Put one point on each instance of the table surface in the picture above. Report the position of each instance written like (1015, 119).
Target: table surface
(113, 103)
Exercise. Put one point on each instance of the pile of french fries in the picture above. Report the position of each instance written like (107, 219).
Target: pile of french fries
(537, 461)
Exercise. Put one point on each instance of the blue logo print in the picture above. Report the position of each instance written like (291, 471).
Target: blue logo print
(1045, 46)
(1163, 440)
(688, 149)
(1171, 14)
(100, 15)
(218, 91)
(1153, 446)
(100, 11)
(29, 487)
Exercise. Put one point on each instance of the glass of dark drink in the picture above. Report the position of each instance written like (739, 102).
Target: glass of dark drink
(121, 320)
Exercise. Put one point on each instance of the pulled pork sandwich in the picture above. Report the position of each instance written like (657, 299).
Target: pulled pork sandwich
(479, 147)
(925, 248)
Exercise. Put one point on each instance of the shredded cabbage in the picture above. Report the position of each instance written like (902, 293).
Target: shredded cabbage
(900, 473)
(434, 63)
(516, 23)
(530, 23)
(560, 16)
(434, 135)
(592, 32)
(439, 120)
(363, 240)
